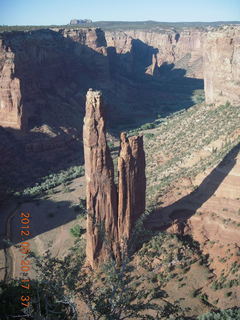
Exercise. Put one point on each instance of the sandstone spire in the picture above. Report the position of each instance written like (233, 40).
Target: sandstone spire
(101, 192)
(111, 216)
(131, 184)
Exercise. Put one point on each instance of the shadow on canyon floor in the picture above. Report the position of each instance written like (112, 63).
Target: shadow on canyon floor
(43, 220)
(143, 97)
(183, 209)
(45, 215)
(25, 158)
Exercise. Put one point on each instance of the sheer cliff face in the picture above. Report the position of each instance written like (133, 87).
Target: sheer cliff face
(45, 71)
(45, 74)
(111, 214)
(222, 66)
(183, 49)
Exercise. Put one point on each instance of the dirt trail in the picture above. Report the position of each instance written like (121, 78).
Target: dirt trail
(51, 219)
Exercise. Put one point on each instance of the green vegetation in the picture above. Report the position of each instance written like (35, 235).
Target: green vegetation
(230, 314)
(183, 135)
(174, 255)
(77, 231)
(224, 283)
(147, 126)
(198, 96)
(9, 296)
(80, 207)
(48, 183)
(149, 135)
(110, 293)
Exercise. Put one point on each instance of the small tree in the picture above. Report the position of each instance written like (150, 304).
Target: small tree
(112, 292)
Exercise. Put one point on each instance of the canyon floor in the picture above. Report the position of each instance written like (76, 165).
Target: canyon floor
(193, 197)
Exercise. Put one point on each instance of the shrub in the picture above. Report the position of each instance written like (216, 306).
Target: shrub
(198, 96)
(53, 180)
(77, 231)
(228, 294)
(148, 126)
(229, 314)
(149, 135)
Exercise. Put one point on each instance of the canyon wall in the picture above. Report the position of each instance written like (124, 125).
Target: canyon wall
(222, 66)
(112, 214)
(41, 73)
(183, 49)
(44, 74)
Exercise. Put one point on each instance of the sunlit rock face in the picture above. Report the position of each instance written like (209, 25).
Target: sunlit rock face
(131, 184)
(222, 65)
(111, 214)
(10, 93)
(158, 48)
(44, 73)
(100, 188)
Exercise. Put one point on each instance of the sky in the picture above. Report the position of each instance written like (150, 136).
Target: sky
(60, 12)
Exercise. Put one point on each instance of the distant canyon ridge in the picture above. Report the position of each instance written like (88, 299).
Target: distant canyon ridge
(80, 21)
(44, 74)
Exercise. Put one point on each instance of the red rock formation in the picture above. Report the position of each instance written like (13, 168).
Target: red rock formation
(222, 65)
(110, 218)
(10, 94)
(102, 234)
(43, 71)
(131, 184)
(184, 49)
(210, 54)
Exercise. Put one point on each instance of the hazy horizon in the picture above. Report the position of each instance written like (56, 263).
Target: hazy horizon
(60, 12)
(129, 21)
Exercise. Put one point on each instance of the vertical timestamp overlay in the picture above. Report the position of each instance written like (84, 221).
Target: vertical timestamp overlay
(25, 265)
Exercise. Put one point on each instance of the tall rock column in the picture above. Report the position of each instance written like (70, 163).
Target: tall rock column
(111, 215)
(131, 184)
(102, 234)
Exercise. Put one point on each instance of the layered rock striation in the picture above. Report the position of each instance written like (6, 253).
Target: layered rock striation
(111, 214)
(44, 73)
(10, 93)
(182, 49)
(222, 65)
(100, 188)
(131, 184)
